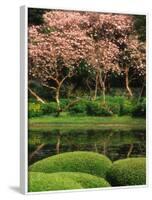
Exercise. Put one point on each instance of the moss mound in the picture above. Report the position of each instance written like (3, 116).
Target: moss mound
(63, 181)
(79, 161)
(130, 171)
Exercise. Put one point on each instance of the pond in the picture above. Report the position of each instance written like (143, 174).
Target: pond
(116, 143)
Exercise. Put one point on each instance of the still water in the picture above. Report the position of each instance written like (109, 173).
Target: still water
(114, 143)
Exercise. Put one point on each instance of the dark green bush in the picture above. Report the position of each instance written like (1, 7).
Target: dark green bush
(114, 108)
(79, 107)
(64, 180)
(79, 161)
(64, 102)
(117, 105)
(49, 108)
(114, 103)
(96, 109)
(126, 107)
(131, 171)
(120, 105)
(140, 109)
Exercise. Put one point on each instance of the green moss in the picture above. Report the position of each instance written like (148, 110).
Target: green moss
(131, 171)
(79, 161)
(63, 180)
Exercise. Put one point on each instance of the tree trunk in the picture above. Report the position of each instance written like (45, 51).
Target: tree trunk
(102, 81)
(57, 97)
(36, 96)
(127, 82)
(96, 88)
(58, 144)
(130, 150)
(95, 146)
(103, 92)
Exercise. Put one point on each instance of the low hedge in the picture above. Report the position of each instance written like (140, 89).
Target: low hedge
(96, 109)
(78, 108)
(38, 182)
(78, 161)
(64, 180)
(49, 108)
(130, 171)
(39, 109)
(116, 105)
(140, 109)
(34, 110)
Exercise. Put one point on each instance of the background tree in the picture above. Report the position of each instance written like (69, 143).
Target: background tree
(132, 61)
(140, 26)
(106, 43)
(123, 32)
(35, 16)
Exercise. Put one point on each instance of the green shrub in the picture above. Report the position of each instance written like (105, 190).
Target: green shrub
(86, 180)
(126, 107)
(114, 103)
(140, 109)
(130, 171)
(45, 182)
(79, 161)
(79, 107)
(49, 108)
(64, 102)
(114, 108)
(63, 180)
(38, 109)
(96, 109)
(34, 110)
(120, 105)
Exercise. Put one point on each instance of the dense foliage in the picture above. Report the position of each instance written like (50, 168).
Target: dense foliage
(87, 162)
(117, 105)
(140, 109)
(60, 173)
(131, 171)
(64, 180)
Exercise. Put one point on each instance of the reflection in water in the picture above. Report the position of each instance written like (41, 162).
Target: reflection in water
(116, 144)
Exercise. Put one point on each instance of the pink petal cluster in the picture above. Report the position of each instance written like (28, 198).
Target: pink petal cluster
(67, 38)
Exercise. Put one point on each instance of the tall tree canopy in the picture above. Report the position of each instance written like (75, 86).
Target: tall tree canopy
(107, 43)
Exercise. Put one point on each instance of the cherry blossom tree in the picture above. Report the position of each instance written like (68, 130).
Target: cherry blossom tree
(132, 60)
(109, 32)
(104, 62)
(54, 56)
(103, 50)
(106, 42)
(127, 54)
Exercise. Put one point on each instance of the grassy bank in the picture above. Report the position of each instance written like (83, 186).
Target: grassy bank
(86, 121)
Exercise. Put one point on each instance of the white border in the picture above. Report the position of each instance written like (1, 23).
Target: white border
(24, 97)
(23, 101)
